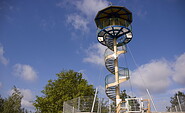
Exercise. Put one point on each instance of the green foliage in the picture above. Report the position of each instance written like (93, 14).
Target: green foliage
(124, 95)
(174, 102)
(68, 85)
(1, 104)
(12, 104)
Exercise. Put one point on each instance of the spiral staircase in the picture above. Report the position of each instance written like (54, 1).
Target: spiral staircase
(114, 32)
(106, 37)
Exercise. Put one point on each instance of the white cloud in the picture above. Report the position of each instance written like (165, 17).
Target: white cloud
(91, 7)
(84, 10)
(78, 22)
(155, 76)
(179, 70)
(25, 71)
(27, 97)
(158, 75)
(95, 54)
(86, 7)
(3, 60)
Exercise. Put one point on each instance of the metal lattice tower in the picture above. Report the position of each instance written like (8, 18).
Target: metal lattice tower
(114, 31)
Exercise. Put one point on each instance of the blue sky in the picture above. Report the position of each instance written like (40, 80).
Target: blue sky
(43, 37)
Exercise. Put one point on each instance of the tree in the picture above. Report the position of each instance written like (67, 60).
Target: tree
(1, 104)
(67, 86)
(13, 103)
(124, 95)
(175, 103)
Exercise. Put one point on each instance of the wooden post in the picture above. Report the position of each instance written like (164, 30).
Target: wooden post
(149, 109)
(116, 77)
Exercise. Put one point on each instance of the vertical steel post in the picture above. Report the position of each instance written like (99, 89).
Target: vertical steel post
(179, 103)
(109, 106)
(151, 100)
(78, 104)
(176, 109)
(116, 77)
(94, 100)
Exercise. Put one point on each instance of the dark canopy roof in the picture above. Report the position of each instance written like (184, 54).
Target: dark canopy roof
(121, 13)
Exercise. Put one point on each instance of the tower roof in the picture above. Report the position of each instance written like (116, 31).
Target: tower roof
(113, 12)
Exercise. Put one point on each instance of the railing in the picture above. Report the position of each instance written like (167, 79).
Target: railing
(109, 79)
(135, 105)
(123, 74)
(110, 52)
(114, 21)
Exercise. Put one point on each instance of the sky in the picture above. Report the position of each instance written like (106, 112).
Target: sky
(40, 38)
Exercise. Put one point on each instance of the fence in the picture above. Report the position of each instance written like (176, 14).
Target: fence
(100, 105)
(85, 104)
(162, 104)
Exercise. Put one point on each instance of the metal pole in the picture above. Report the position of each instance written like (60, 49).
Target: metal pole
(151, 100)
(116, 78)
(64, 105)
(179, 103)
(100, 107)
(78, 103)
(109, 106)
(98, 110)
(73, 109)
(176, 108)
(94, 100)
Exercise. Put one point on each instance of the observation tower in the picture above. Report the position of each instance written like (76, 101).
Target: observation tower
(114, 31)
